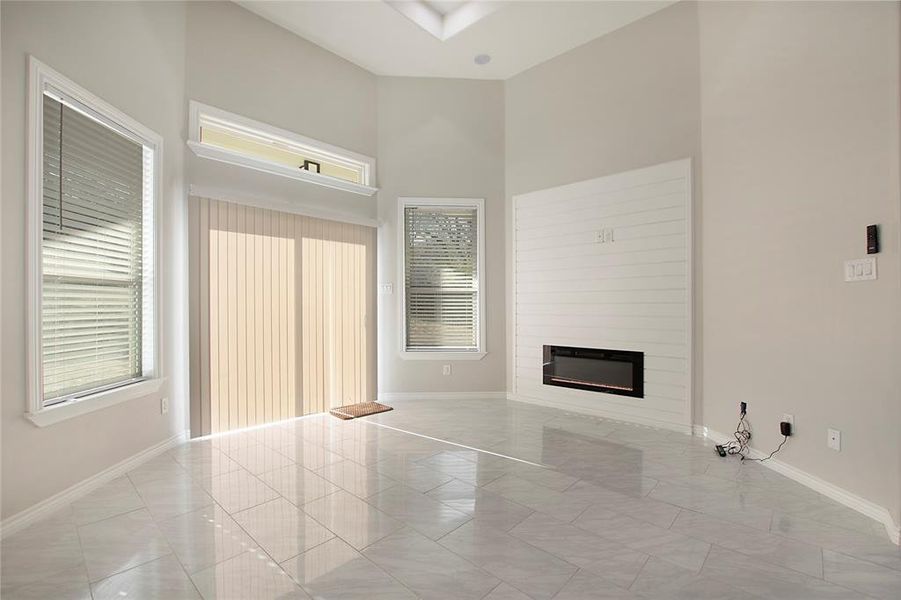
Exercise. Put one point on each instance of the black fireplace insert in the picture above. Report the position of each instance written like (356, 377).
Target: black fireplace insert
(599, 370)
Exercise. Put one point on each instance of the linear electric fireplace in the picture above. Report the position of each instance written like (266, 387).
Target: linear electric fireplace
(595, 369)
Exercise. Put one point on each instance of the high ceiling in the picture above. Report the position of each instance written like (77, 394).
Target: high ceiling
(430, 38)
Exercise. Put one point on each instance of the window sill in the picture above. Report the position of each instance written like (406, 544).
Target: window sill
(98, 401)
(233, 158)
(427, 355)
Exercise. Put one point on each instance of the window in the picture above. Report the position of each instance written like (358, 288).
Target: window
(443, 257)
(93, 181)
(226, 137)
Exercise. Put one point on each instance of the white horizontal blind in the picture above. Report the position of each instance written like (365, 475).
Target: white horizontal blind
(441, 278)
(92, 263)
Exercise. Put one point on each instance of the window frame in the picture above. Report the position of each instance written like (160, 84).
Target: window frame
(425, 354)
(198, 112)
(42, 78)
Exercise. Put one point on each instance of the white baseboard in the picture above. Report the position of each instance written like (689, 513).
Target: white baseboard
(392, 396)
(23, 519)
(840, 495)
(603, 412)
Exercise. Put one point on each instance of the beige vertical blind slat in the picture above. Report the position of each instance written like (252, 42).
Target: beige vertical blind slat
(280, 309)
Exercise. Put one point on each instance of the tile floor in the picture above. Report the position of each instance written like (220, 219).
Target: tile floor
(381, 508)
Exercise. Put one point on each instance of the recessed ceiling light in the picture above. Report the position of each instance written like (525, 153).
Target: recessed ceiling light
(482, 59)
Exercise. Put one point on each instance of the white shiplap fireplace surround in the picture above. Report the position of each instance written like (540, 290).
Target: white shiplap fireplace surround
(607, 263)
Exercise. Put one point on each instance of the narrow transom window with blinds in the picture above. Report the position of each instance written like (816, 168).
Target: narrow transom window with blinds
(96, 285)
(442, 277)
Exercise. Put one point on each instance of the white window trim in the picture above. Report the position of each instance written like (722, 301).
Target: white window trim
(479, 205)
(42, 78)
(197, 112)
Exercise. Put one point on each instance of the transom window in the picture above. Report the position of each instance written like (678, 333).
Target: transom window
(442, 277)
(227, 137)
(93, 192)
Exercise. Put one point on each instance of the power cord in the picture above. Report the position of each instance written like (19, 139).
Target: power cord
(740, 445)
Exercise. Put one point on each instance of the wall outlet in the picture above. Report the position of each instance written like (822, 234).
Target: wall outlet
(834, 439)
(386, 288)
(164, 406)
(789, 419)
(446, 370)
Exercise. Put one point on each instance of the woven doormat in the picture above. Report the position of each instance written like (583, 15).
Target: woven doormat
(352, 411)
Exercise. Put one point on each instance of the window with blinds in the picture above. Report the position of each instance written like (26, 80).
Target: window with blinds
(94, 284)
(441, 278)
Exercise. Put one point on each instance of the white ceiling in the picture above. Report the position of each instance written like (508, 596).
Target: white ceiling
(516, 34)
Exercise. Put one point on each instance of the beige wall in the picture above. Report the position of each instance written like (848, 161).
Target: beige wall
(444, 138)
(244, 64)
(800, 138)
(627, 100)
(145, 79)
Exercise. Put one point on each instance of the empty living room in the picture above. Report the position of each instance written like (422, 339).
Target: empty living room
(471, 300)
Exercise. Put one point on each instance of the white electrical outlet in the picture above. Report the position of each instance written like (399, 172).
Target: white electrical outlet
(834, 439)
(446, 370)
(164, 406)
(789, 419)
(386, 288)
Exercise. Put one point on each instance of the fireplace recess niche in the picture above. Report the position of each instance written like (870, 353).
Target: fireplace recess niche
(595, 369)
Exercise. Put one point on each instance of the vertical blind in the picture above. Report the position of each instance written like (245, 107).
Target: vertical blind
(441, 278)
(91, 255)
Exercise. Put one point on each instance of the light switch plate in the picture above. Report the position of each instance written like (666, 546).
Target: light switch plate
(860, 269)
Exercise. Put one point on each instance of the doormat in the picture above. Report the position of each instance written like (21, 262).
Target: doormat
(353, 411)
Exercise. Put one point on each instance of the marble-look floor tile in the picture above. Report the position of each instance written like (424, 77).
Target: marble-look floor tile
(484, 507)
(71, 584)
(204, 462)
(282, 529)
(355, 478)
(204, 537)
(771, 581)
(335, 571)
(161, 578)
(662, 580)
(786, 552)
(353, 520)
(505, 591)
(863, 576)
(41, 551)
(309, 455)
(251, 575)
(297, 484)
(642, 536)
(429, 517)
(120, 543)
(536, 497)
(114, 498)
(615, 562)
(428, 569)
(167, 498)
(653, 511)
(238, 490)
(585, 586)
(510, 559)
(463, 469)
(161, 467)
(409, 473)
(257, 458)
(846, 541)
